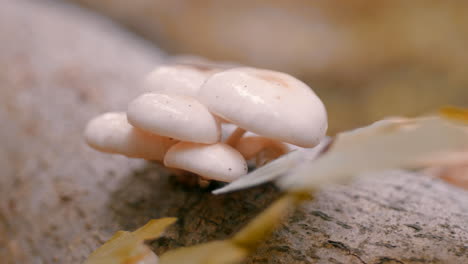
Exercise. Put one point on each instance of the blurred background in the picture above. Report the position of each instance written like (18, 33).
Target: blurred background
(366, 59)
(64, 61)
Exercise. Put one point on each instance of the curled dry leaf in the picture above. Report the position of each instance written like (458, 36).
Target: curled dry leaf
(355, 137)
(411, 145)
(386, 144)
(275, 168)
(128, 247)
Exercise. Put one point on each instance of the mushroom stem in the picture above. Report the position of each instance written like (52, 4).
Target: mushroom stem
(184, 177)
(189, 179)
(260, 149)
(269, 153)
(202, 182)
(235, 136)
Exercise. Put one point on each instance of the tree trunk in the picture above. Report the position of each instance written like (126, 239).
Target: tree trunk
(59, 199)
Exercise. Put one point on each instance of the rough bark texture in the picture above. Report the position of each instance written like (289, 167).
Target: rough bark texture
(60, 66)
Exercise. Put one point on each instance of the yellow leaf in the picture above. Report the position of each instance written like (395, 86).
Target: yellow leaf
(128, 247)
(264, 224)
(217, 252)
(154, 228)
(111, 244)
(455, 113)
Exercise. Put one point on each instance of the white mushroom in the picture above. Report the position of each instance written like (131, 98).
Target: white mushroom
(217, 161)
(112, 133)
(182, 79)
(187, 59)
(268, 103)
(176, 116)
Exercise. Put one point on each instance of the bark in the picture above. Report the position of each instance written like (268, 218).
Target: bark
(59, 200)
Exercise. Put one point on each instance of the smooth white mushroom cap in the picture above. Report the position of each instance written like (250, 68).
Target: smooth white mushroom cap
(177, 116)
(268, 103)
(177, 79)
(217, 161)
(110, 132)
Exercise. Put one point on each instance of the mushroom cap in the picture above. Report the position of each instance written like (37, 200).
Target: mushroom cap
(190, 59)
(271, 104)
(177, 116)
(182, 79)
(217, 161)
(110, 132)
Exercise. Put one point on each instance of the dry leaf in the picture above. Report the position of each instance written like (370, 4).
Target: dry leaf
(411, 144)
(128, 247)
(386, 144)
(281, 166)
(217, 252)
(356, 136)
(265, 223)
(275, 168)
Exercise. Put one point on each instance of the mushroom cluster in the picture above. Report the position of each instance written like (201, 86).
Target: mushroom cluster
(211, 120)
